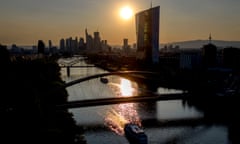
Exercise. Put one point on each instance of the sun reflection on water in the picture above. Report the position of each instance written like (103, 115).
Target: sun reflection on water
(119, 115)
(126, 88)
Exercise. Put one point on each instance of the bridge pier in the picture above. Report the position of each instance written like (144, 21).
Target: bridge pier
(68, 71)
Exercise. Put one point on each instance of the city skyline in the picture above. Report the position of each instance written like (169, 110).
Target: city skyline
(25, 22)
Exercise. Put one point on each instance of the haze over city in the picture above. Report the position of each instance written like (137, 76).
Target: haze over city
(25, 22)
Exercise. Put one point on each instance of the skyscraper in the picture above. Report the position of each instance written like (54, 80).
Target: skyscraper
(49, 44)
(125, 45)
(89, 41)
(41, 47)
(147, 30)
(93, 44)
(62, 45)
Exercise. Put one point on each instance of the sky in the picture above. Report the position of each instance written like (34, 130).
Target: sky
(24, 22)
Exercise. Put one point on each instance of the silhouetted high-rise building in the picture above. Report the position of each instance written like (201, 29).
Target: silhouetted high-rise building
(89, 41)
(125, 45)
(147, 30)
(49, 44)
(41, 47)
(93, 44)
(97, 41)
(75, 45)
(81, 44)
(62, 45)
(209, 55)
(209, 52)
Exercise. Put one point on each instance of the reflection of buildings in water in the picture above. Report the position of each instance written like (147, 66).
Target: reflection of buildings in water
(147, 110)
(220, 110)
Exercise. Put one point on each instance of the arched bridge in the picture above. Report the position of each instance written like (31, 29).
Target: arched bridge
(119, 73)
(106, 101)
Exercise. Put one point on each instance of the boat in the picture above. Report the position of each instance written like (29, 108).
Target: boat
(135, 134)
(104, 80)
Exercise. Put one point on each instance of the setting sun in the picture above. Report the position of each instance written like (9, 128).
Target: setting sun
(126, 12)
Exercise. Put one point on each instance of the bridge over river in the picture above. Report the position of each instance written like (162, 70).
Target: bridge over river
(98, 113)
(150, 97)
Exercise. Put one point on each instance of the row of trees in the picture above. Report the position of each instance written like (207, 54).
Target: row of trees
(30, 91)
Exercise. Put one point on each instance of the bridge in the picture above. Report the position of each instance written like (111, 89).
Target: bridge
(107, 101)
(150, 97)
(70, 63)
(110, 101)
(119, 73)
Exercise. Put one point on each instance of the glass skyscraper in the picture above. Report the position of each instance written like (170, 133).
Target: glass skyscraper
(147, 30)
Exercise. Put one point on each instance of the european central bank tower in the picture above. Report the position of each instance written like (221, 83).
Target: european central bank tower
(147, 30)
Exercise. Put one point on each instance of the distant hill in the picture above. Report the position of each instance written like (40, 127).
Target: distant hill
(200, 43)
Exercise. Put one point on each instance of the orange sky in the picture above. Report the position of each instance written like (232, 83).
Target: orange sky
(25, 22)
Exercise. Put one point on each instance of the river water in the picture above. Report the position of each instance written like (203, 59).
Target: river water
(161, 120)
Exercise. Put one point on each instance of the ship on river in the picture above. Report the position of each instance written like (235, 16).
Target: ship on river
(135, 134)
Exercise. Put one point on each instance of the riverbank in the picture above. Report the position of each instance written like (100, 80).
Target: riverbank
(200, 81)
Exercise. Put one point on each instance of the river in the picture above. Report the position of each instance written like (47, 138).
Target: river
(161, 120)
